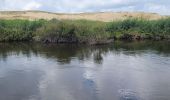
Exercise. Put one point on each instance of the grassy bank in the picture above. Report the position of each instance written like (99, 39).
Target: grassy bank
(141, 29)
(18, 30)
(83, 31)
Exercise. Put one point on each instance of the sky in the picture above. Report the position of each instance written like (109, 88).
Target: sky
(76, 6)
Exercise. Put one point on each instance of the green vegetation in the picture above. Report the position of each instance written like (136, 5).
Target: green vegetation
(141, 29)
(18, 30)
(73, 31)
(83, 31)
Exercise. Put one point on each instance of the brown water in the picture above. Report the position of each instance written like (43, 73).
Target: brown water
(119, 71)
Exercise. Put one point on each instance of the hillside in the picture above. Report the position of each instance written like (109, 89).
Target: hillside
(100, 16)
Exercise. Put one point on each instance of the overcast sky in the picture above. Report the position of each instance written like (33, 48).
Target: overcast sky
(74, 6)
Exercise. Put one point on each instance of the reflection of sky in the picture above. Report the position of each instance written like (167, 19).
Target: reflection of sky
(39, 78)
(17, 80)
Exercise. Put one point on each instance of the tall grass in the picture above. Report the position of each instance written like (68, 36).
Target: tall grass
(152, 28)
(82, 30)
(18, 30)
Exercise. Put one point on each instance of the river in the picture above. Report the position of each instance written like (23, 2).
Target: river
(117, 71)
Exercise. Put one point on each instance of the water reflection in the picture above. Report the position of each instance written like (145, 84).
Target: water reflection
(20, 86)
(119, 71)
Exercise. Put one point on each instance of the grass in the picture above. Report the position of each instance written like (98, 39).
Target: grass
(85, 31)
(143, 28)
(18, 30)
(80, 30)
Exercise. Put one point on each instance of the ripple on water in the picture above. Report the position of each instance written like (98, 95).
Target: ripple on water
(127, 94)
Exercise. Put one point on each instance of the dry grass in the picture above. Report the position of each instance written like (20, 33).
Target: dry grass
(100, 16)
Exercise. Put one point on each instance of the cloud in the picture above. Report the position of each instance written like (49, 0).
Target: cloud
(32, 6)
(69, 6)
(20, 5)
(157, 8)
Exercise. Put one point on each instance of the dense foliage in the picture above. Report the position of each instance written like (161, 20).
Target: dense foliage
(83, 30)
(144, 28)
(18, 30)
(73, 31)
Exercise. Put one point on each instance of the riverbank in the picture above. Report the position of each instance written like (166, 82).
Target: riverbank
(83, 31)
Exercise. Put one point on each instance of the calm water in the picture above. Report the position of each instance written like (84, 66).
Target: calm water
(119, 71)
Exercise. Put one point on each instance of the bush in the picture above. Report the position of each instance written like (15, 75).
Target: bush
(81, 30)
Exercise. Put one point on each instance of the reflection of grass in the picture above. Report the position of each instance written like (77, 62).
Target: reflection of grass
(83, 30)
(64, 53)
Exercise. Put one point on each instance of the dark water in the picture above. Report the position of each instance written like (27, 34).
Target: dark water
(119, 71)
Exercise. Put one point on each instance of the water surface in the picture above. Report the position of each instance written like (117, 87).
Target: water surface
(119, 71)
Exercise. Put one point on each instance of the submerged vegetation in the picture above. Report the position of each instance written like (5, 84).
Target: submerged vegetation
(83, 31)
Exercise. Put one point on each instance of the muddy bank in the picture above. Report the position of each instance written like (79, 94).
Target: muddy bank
(142, 37)
(73, 40)
(93, 41)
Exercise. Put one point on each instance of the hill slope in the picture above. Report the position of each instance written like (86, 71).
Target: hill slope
(100, 16)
